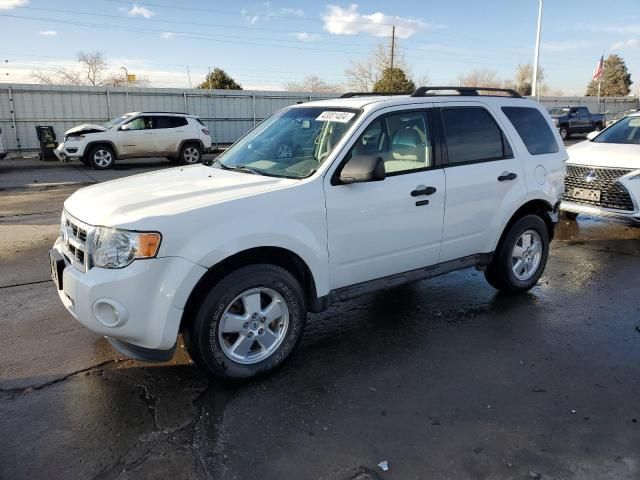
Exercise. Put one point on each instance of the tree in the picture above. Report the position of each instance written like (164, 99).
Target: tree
(93, 70)
(524, 77)
(221, 80)
(363, 74)
(394, 80)
(482, 77)
(616, 79)
(313, 83)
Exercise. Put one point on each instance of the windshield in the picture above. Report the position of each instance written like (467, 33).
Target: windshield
(116, 121)
(292, 143)
(559, 111)
(626, 131)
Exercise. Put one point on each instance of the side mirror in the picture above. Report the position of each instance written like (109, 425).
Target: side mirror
(363, 168)
(124, 127)
(592, 135)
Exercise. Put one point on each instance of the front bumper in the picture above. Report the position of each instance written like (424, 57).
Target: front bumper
(66, 153)
(632, 217)
(141, 304)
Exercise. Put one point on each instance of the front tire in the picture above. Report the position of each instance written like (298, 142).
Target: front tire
(522, 256)
(190, 154)
(248, 323)
(570, 215)
(102, 157)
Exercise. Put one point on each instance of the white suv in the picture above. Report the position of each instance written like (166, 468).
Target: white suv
(379, 191)
(182, 138)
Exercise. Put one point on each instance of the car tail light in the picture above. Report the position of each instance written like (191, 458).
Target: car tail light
(205, 131)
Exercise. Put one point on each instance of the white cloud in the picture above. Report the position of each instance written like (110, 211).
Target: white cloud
(348, 21)
(10, 4)
(305, 36)
(629, 29)
(139, 10)
(168, 35)
(262, 12)
(49, 33)
(630, 43)
(565, 46)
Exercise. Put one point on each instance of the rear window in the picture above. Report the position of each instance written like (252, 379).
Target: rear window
(473, 136)
(533, 129)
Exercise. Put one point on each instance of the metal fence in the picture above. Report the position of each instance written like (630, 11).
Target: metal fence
(227, 113)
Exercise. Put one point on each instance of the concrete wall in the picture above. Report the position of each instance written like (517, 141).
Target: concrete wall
(227, 113)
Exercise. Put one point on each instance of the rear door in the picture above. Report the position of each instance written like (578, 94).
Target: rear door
(137, 138)
(170, 130)
(484, 179)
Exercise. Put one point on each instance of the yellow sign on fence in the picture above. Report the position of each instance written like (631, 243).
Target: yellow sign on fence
(131, 77)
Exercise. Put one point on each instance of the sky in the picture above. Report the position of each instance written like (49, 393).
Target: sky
(266, 44)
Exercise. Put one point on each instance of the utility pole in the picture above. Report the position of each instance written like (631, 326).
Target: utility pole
(536, 62)
(393, 43)
(189, 75)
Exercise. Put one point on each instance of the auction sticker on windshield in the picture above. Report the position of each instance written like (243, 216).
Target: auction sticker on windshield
(330, 116)
(635, 122)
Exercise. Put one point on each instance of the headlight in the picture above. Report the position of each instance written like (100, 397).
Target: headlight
(74, 138)
(115, 248)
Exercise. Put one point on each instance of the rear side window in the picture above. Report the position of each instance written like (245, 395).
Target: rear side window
(533, 129)
(170, 122)
(473, 136)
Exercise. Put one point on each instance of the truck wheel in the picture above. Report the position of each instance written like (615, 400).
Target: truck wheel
(190, 154)
(564, 133)
(598, 127)
(569, 215)
(102, 157)
(248, 323)
(520, 259)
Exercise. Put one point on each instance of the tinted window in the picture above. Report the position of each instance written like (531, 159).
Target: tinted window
(401, 139)
(170, 122)
(472, 135)
(533, 129)
(626, 131)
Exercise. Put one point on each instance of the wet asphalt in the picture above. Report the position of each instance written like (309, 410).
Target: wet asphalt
(442, 379)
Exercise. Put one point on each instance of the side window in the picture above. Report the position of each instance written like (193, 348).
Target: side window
(139, 123)
(533, 129)
(178, 122)
(163, 122)
(473, 136)
(401, 139)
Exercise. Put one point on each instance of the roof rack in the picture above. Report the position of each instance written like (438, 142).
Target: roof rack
(466, 91)
(369, 94)
(171, 113)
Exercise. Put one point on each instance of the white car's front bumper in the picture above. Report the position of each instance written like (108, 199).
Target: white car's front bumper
(141, 304)
(67, 152)
(620, 215)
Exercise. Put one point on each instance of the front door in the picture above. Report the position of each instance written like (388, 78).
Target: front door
(381, 228)
(137, 137)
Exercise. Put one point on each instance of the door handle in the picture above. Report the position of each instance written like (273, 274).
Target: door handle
(422, 190)
(507, 176)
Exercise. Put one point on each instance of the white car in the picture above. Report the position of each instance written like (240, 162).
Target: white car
(3, 148)
(182, 138)
(603, 173)
(387, 190)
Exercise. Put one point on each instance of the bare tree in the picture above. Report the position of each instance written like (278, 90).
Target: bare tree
(93, 70)
(363, 74)
(482, 77)
(313, 83)
(524, 77)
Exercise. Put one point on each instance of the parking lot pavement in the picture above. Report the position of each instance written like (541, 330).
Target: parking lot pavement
(441, 379)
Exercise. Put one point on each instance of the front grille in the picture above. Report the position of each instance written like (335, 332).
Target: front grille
(74, 242)
(612, 193)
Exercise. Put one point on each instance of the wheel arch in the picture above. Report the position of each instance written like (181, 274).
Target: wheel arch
(191, 140)
(96, 143)
(538, 207)
(279, 256)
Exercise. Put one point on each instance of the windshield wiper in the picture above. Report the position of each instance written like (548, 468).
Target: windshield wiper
(239, 168)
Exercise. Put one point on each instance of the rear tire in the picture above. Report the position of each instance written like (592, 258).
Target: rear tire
(521, 257)
(248, 323)
(190, 154)
(564, 133)
(101, 157)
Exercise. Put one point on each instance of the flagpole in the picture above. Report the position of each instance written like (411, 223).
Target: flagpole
(600, 82)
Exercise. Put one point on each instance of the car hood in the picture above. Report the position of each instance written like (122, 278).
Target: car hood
(86, 128)
(135, 201)
(611, 155)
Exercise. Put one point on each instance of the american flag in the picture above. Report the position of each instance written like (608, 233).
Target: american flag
(599, 70)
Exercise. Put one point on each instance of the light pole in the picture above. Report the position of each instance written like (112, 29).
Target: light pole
(126, 83)
(536, 62)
